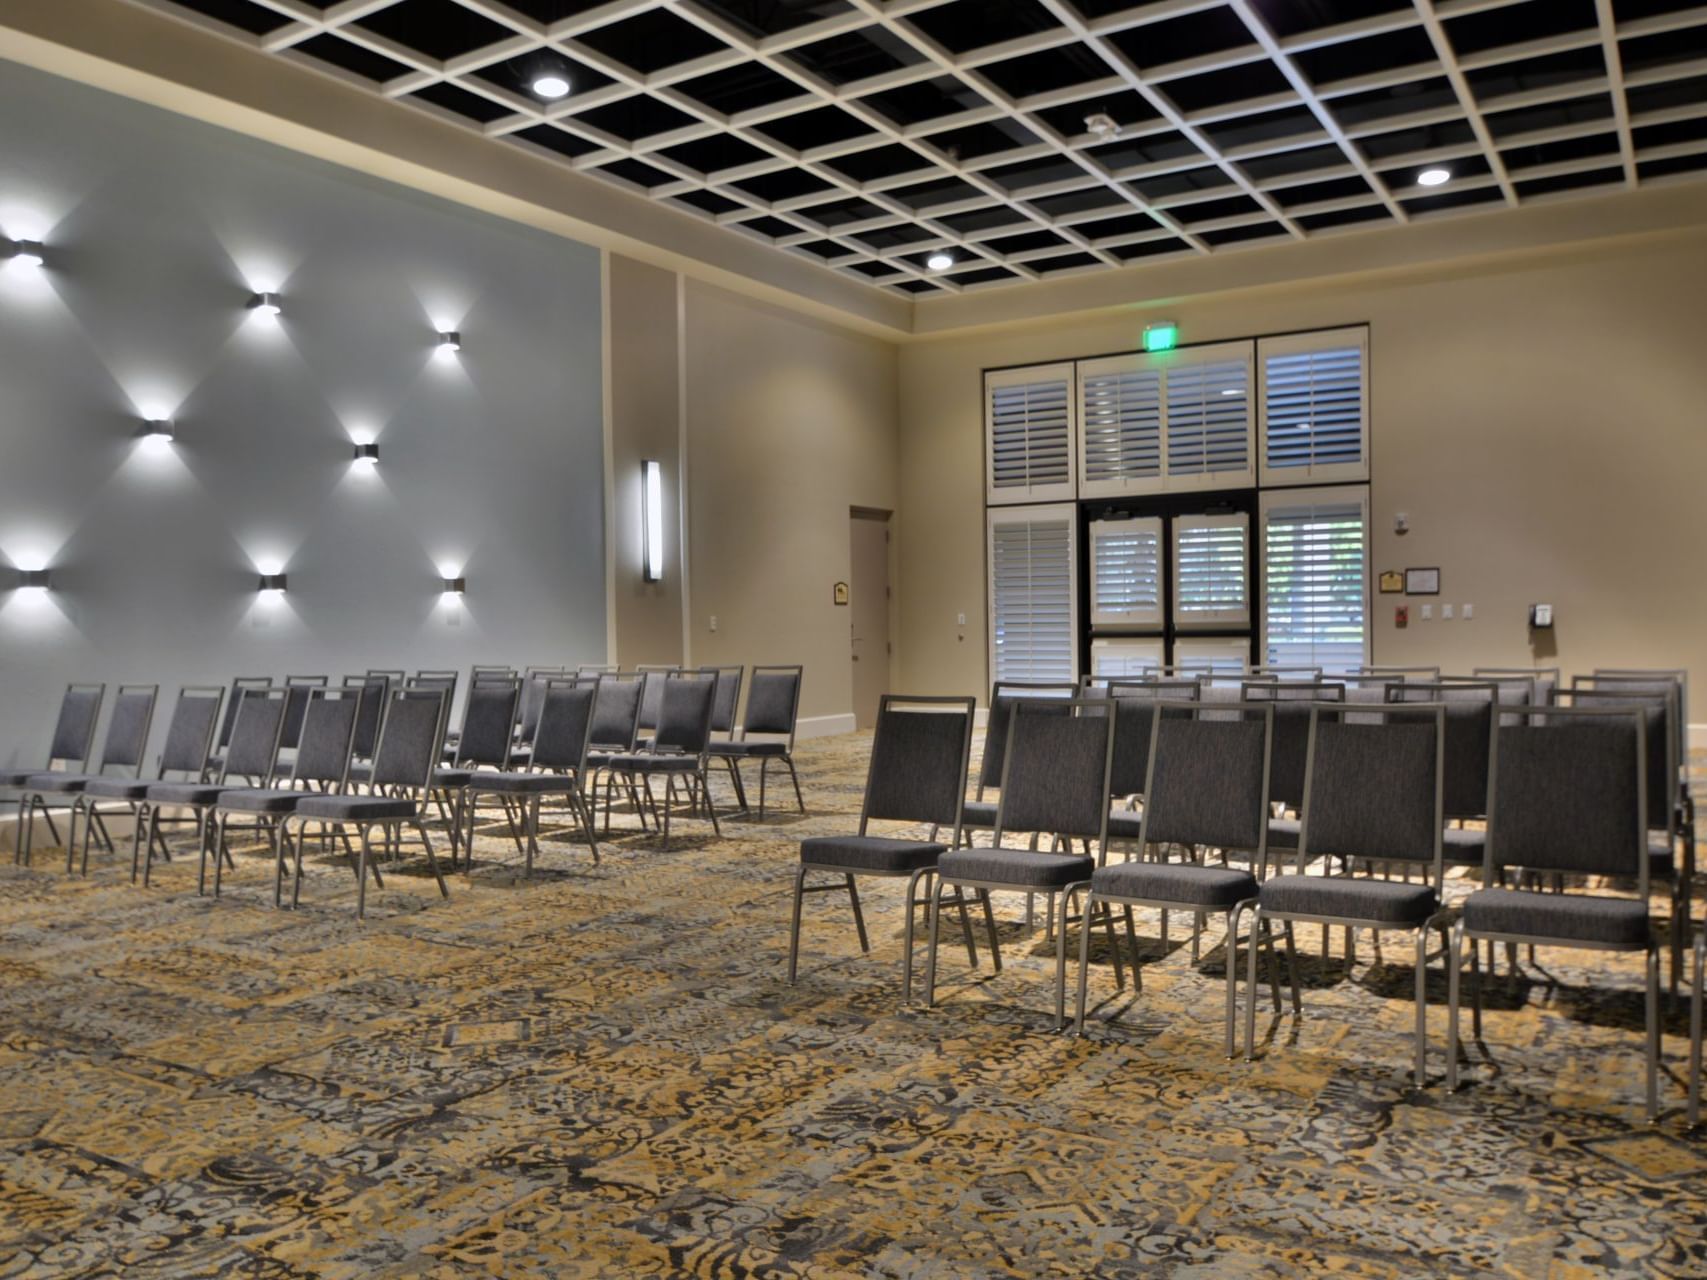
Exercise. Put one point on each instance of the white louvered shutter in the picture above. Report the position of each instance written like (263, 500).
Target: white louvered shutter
(1316, 579)
(1029, 421)
(1120, 427)
(1206, 396)
(1212, 571)
(1113, 658)
(1032, 588)
(1126, 573)
(1212, 655)
(1315, 407)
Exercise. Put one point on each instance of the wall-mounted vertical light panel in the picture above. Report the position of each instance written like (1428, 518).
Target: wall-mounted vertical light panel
(652, 520)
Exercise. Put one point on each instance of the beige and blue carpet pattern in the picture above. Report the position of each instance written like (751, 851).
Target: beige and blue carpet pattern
(601, 1072)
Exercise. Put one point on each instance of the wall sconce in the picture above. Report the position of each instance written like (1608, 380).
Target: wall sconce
(36, 579)
(272, 582)
(455, 586)
(450, 340)
(28, 252)
(265, 303)
(367, 455)
(652, 520)
(160, 429)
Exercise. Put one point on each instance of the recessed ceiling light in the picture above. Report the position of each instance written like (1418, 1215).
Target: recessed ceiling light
(940, 261)
(1433, 177)
(551, 87)
(1099, 124)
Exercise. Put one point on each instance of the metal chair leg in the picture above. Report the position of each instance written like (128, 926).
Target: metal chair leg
(930, 950)
(1454, 973)
(859, 916)
(1695, 1003)
(1652, 1037)
(794, 926)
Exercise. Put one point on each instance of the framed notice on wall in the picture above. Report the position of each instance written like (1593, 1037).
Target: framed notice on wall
(1392, 582)
(1422, 582)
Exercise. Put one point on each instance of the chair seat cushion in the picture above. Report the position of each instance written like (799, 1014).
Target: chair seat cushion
(119, 788)
(1124, 824)
(16, 777)
(452, 777)
(64, 784)
(186, 792)
(1347, 898)
(749, 748)
(638, 763)
(978, 813)
(259, 800)
(520, 784)
(1022, 868)
(1662, 860)
(1464, 847)
(1283, 833)
(356, 808)
(1182, 882)
(870, 853)
(1576, 917)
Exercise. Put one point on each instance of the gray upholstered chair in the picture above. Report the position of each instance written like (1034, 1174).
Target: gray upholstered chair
(979, 813)
(616, 731)
(233, 704)
(652, 678)
(1541, 681)
(1570, 798)
(585, 669)
(251, 757)
(123, 749)
(1054, 784)
(486, 741)
(557, 765)
(296, 707)
(376, 694)
(321, 767)
(410, 741)
(767, 731)
(679, 750)
(919, 756)
(1472, 714)
(72, 744)
(189, 742)
(1207, 787)
(1425, 675)
(1293, 701)
(1373, 793)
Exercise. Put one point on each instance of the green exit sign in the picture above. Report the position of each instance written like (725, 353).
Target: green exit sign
(1161, 337)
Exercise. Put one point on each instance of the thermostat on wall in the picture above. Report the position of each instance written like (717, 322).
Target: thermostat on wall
(1541, 615)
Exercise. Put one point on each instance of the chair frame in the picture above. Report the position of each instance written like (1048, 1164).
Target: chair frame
(34, 799)
(72, 763)
(786, 757)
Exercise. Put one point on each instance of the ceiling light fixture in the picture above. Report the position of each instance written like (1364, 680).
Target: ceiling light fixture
(1433, 177)
(28, 252)
(1102, 126)
(940, 261)
(552, 87)
(367, 455)
(266, 304)
(450, 340)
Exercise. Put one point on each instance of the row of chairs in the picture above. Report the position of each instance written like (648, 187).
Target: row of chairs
(359, 756)
(1566, 793)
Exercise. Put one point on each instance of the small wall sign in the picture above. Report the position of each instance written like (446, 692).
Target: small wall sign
(840, 593)
(1422, 582)
(1392, 582)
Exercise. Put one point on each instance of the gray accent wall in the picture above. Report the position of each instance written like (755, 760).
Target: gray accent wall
(158, 228)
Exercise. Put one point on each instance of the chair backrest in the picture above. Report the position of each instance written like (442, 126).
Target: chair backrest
(477, 672)
(327, 737)
(1004, 694)
(728, 698)
(297, 689)
(919, 759)
(1541, 680)
(189, 735)
(1208, 781)
(1055, 777)
(488, 723)
(1429, 674)
(1155, 690)
(411, 739)
(394, 677)
(1284, 672)
(565, 728)
(616, 711)
(1657, 681)
(73, 740)
(652, 680)
(375, 690)
(1134, 704)
(426, 679)
(1471, 714)
(532, 696)
(1658, 705)
(253, 750)
(1677, 675)
(597, 669)
(126, 743)
(684, 712)
(1290, 751)
(1374, 790)
(773, 702)
(234, 703)
(1568, 794)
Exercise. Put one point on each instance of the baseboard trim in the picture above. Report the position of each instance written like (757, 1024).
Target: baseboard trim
(824, 726)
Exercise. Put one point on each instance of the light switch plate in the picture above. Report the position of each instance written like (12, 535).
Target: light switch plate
(960, 619)
(1428, 613)
(714, 622)
(1469, 612)
(1446, 613)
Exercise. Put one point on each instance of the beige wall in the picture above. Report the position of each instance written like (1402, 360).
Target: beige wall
(1540, 421)
(789, 422)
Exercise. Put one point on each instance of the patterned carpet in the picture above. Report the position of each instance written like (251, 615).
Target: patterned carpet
(601, 1072)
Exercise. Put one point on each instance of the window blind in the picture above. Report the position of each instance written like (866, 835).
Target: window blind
(1031, 435)
(1211, 571)
(1126, 572)
(1315, 584)
(1314, 406)
(1208, 418)
(1121, 421)
(1031, 596)
(1125, 657)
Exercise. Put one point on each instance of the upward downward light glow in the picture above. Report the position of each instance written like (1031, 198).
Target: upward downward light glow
(28, 252)
(1433, 177)
(652, 519)
(940, 261)
(551, 87)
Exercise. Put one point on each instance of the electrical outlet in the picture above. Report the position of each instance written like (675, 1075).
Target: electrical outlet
(1469, 612)
(714, 622)
(960, 619)
(1446, 613)
(1428, 613)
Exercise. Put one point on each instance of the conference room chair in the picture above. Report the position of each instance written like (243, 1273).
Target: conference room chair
(250, 760)
(407, 750)
(296, 707)
(767, 733)
(123, 749)
(376, 693)
(1428, 675)
(1373, 793)
(1054, 784)
(1293, 701)
(652, 678)
(680, 745)
(321, 767)
(615, 732)
(979, 813)
(1207, 787)
(1471, 716)
(71, 745)
(920, 753)
(1570, 799)
(233, 704)
(558, 765)
(485, 742)
(597, 669)
(189, 743)
(1541, 681)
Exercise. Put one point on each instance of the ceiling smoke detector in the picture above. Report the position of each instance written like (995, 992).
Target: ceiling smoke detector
(1101, 125)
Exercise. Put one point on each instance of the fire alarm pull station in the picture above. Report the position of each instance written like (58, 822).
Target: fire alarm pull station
(1401, 616)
